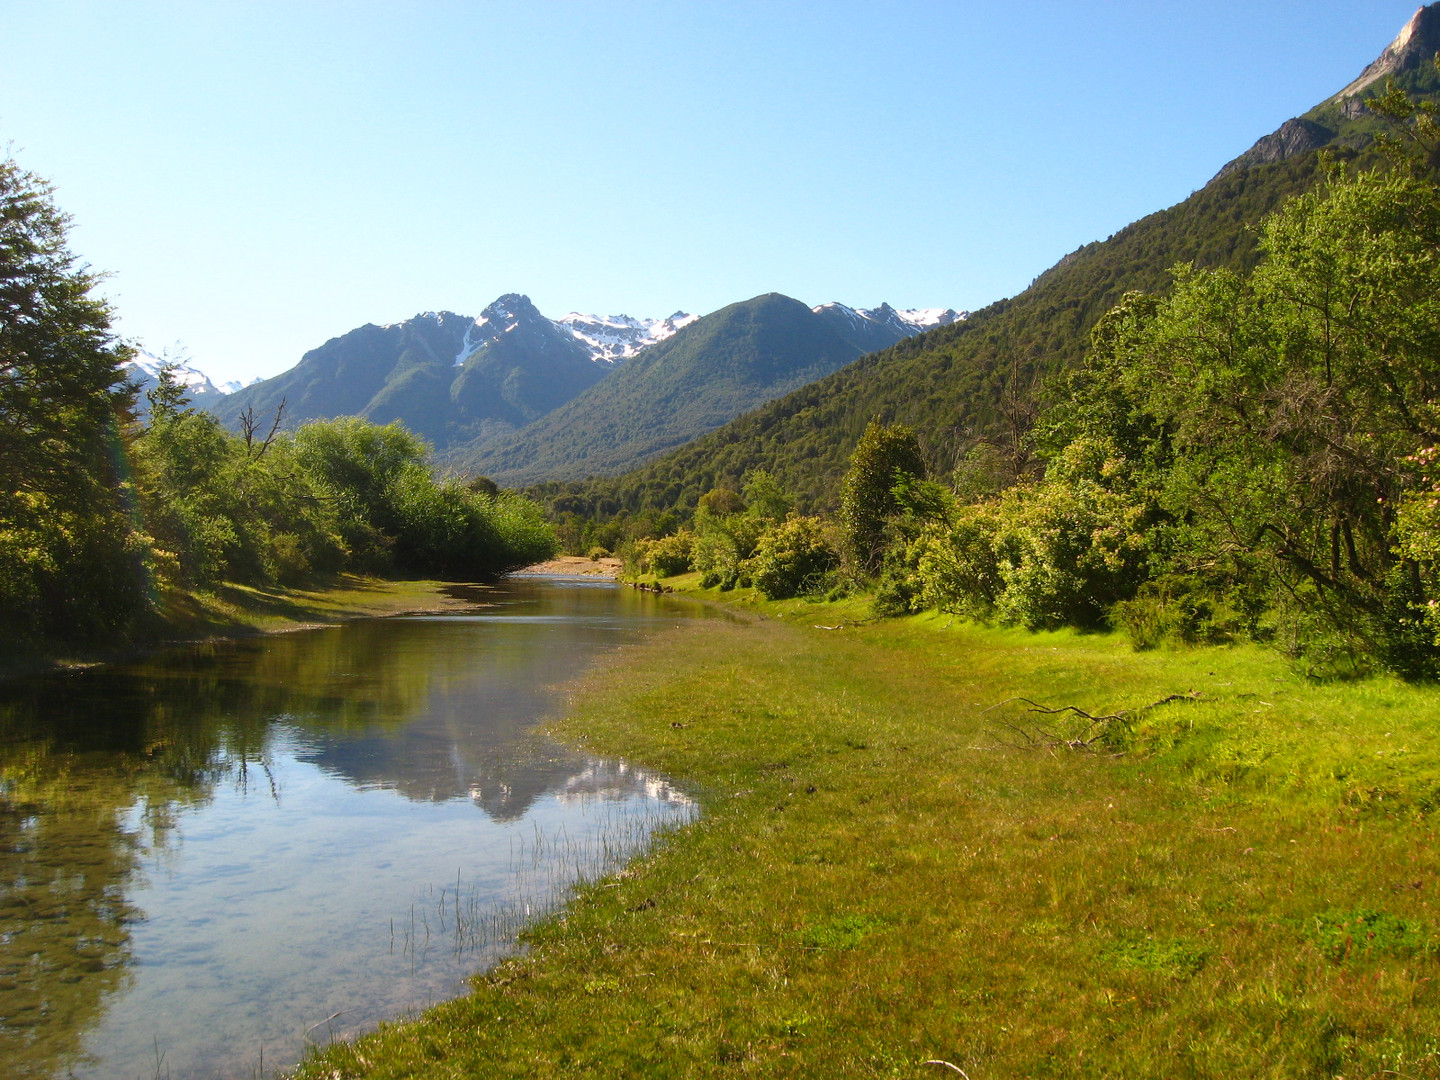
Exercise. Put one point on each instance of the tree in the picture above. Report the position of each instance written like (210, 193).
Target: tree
(69, 563)
(1277, 416)
(886, 455)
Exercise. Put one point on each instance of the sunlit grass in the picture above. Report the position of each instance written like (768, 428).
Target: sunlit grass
(1238, 884)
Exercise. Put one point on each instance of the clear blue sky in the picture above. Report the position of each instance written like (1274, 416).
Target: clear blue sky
(260, 177)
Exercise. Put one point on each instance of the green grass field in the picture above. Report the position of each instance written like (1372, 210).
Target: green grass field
(889, 874)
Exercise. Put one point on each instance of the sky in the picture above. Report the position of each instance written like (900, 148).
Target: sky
(257, 178)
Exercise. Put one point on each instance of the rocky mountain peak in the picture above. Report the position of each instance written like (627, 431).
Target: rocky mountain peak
(1416, 44)
(510, 309)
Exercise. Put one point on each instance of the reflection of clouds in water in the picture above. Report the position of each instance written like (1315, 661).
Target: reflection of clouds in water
(613, 780)
(597, 781)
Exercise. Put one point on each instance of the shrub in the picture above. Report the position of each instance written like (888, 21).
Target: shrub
(795, 558)
(664, 556)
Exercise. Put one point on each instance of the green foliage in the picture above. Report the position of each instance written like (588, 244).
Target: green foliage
(663, 556)
(721, 502)
(1343, 935)
(1055, 553)
(70, 563)
(764, 496)
(795, 558)
(1192, 609)
(1277, 414)
(392, 509)
(957, 562)
(886, 455)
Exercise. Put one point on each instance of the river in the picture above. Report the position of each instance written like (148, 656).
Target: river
(221, 853)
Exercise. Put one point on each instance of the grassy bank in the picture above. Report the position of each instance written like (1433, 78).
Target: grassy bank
(242, 611)
(1241, 882)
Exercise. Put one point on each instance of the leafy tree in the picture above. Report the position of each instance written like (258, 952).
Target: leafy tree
(1275, 417)
(886, 455)
(664, 556)
(392, 511)
(69, 559)
(764, 496)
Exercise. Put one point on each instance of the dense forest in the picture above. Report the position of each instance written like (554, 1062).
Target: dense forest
(104, 518)
(1249, 449)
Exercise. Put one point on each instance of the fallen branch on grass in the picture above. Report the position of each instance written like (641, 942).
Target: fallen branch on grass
(1098, 727)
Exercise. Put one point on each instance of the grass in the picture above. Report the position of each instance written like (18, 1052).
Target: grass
(1242, 883)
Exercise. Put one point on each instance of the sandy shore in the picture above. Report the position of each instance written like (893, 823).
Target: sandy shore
(576, 564)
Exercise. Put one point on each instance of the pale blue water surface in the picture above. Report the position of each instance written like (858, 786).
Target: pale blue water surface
(214, 856)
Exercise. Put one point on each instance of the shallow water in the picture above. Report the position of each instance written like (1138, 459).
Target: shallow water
(213, 857)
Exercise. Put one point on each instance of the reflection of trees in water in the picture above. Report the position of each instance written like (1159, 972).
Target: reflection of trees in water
(68, 855)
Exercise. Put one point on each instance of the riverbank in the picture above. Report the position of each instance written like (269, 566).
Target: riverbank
(895, 869)
(572, 565)
(232, 611)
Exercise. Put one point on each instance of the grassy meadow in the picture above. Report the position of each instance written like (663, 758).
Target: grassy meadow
(894, 871)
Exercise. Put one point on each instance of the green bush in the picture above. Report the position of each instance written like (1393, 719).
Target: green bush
(664, 556)
(958, 563)
(797, 557)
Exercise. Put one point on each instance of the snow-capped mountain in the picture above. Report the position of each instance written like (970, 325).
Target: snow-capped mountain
(607, 339)
(614, 338)
(144, 371)
(908, 321)
(873, 329)
(458, 379)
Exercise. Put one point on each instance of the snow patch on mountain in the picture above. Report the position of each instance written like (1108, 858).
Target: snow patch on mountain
(609, 339)
(908, 321)
(612, 339)
(144, 371)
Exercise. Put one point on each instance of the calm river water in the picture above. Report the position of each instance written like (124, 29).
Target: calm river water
(212, 857)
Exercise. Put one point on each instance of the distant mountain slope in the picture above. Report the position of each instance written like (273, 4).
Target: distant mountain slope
(444, 376)
(949, 384)
(708, 373)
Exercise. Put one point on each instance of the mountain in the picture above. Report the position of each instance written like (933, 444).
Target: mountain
(144, 372)
(877, 328)
(447, 377)
(1343, 120)
(967, 382)
(618, 337)
(709, 372)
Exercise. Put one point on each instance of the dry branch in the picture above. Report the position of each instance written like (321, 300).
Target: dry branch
(1036, 738)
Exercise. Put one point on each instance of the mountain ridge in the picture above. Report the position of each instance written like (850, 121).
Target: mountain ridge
(1342, 118)
(712, 371)
(458, 381)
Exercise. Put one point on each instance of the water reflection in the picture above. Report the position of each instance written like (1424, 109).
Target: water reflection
(204, 853)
